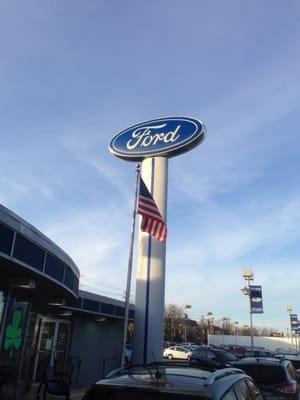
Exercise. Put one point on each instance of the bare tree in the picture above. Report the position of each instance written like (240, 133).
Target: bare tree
(174, 323)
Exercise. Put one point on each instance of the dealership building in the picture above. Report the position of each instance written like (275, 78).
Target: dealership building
(45, 320)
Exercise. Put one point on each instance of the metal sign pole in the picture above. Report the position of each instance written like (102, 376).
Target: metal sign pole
(251, 319)
(150, 282)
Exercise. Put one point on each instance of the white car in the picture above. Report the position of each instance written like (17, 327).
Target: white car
(179, 352)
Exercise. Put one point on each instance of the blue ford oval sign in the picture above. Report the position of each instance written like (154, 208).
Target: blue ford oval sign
(165, 137)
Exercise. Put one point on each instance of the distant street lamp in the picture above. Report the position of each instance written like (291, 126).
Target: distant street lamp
(224, 322)
(248, 275)
(236, 327)
(186, 307)
(209, 314)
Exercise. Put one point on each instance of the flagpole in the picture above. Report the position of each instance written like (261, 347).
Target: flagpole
(129, 271)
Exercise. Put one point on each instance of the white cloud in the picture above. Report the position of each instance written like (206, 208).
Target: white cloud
(28, 188)
(226, 234)
(226, 242)
(88, 152)
(96, 240)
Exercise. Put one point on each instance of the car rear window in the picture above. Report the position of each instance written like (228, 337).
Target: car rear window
(265, 374)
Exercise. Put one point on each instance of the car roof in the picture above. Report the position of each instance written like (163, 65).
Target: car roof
(177, 379)
(287, 356)
(213, 349)
(261, 361)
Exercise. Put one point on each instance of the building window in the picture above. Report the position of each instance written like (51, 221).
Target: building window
(120, 311)
(90, 305)
(29, 253)
(6, 238)
(107, 308)
(69, 277)
(54, 268)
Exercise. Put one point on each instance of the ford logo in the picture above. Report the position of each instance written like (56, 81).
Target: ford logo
(164, 137)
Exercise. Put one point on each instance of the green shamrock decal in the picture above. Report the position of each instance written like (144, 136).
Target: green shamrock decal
(13, 332)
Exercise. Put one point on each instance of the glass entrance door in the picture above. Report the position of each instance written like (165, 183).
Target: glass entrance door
(52, 346)
(61, 344)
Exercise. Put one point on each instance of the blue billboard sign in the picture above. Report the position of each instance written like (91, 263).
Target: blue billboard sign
(163, 137)
(256, 299)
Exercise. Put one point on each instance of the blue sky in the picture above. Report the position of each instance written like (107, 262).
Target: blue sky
(74, 73)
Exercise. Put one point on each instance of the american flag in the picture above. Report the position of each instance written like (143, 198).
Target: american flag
(152, 221)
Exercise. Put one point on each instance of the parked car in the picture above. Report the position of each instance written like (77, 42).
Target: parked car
(163, 381)
(295, 359)
(177, 352)
(276, 378)
(211, 358)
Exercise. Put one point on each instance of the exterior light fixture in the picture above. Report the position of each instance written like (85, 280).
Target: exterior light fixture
(56, 301)
(22, 283)
(289, 308)
(248, 274)
(64, 313)
(101, 319)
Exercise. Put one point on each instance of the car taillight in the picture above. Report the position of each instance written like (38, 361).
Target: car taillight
(291, 388)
